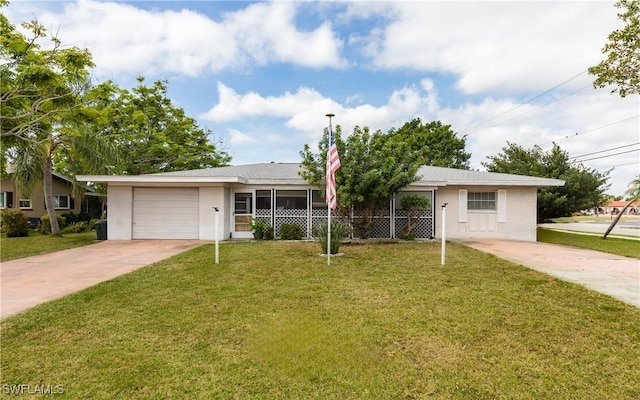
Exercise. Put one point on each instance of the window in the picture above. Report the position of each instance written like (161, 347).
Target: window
(2, 200)
(61, 201)
(263, 199)
(243, 203)
(481, 201)
(291, 199)
(25, 204)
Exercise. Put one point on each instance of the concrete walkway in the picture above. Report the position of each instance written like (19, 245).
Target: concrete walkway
(29, 281)
(610, 274)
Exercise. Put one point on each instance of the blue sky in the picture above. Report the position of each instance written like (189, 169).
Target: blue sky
(262, 75)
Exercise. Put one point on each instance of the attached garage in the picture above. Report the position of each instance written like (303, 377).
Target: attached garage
(165, 213)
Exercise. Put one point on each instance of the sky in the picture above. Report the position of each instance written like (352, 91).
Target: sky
(263, 75)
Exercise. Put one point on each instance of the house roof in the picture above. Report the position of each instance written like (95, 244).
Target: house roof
(620, 203)
(287, 173)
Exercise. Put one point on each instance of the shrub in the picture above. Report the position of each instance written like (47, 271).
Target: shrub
(77, 227)
(290, 232)
(14, 222)
(71, 218)
(339, 231)
(259, 226)
(45, 224)
(268, 233)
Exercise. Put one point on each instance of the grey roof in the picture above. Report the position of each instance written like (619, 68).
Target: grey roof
(432, 176)
(454, 177)
(287, 173)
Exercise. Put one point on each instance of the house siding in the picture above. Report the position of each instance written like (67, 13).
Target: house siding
(516, 221)
(38, 209)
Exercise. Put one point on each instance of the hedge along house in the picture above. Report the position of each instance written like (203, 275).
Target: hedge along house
(180, 205)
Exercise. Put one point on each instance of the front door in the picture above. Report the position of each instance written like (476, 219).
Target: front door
(242, 214)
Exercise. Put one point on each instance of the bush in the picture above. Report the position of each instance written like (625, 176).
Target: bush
(45, 224)
(14, 222)
(71, 218)
(339, 231)
(268, 233)
(290, 232)
(77, 227)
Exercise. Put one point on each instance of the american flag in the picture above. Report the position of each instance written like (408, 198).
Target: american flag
(333, 163)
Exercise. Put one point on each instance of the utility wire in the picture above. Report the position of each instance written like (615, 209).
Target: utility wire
(466, 131)
(604, 151)
(606, 156)
(589, 130)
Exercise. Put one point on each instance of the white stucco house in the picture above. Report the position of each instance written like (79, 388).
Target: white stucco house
(180, 205)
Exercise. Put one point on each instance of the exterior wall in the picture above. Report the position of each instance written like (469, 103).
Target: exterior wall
(120, 213)
(211, 197)
(513, 219)
(37, 209)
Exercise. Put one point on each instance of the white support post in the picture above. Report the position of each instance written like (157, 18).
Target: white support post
(217, 258)
(444, 229)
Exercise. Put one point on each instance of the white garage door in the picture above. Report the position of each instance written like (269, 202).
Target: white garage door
(165, 213)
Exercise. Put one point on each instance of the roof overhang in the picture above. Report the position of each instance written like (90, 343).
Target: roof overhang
(153, 179)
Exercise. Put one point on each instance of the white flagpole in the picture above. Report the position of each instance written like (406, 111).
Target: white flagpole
(328, 167)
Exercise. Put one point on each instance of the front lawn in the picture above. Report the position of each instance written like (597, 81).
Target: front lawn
(385, 321)
(36, 243)
(622, 247)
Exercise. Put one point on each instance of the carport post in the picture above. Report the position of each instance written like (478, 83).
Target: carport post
(444, 228)
(216, 235)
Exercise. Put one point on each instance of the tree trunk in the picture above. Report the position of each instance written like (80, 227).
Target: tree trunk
(615, 221)
(48, 196)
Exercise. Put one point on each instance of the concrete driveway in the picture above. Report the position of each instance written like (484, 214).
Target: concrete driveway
(610, 274)
(29, 281)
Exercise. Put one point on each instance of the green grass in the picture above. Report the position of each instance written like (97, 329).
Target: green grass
(594, 218)
(383, 322)
(35, 243)
(623, 247)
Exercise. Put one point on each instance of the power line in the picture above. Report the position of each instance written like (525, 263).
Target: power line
(606, 156)
(604, 151)
(590, 130)
(466, 131)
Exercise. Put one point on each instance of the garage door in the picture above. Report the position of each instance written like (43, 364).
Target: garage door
(165, 213)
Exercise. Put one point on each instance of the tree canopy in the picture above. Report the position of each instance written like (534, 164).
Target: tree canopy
(621, 68)
(40, 99)
(435, 143)
(583, 189)
(374, 168)
(151, 134)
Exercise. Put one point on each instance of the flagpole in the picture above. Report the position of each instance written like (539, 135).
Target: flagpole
(328, 202)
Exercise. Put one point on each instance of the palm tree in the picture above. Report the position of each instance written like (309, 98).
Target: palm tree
(83, 150)
(633, 194)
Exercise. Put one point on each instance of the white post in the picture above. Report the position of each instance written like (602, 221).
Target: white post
(444, 229)
(217, 258)
(329, 235)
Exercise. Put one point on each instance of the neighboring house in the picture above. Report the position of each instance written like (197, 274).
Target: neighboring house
(33, 206)
(180, 205)
(614, 208)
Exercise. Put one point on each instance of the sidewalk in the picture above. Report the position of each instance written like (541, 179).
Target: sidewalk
(606, 273)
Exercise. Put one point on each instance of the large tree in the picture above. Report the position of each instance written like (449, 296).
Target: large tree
(621, 68)
(374, 168)
(583, 188)
(40, 101)
(151, 133)
(436, 144)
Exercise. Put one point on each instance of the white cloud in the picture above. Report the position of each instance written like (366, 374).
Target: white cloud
(126, 40)
(238, 138)
(507, 46)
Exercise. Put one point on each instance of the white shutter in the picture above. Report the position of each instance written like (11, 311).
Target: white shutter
(462, 205)
(502, 206)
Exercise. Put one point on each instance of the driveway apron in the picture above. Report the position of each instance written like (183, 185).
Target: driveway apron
(29, 281)
(606, 273)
